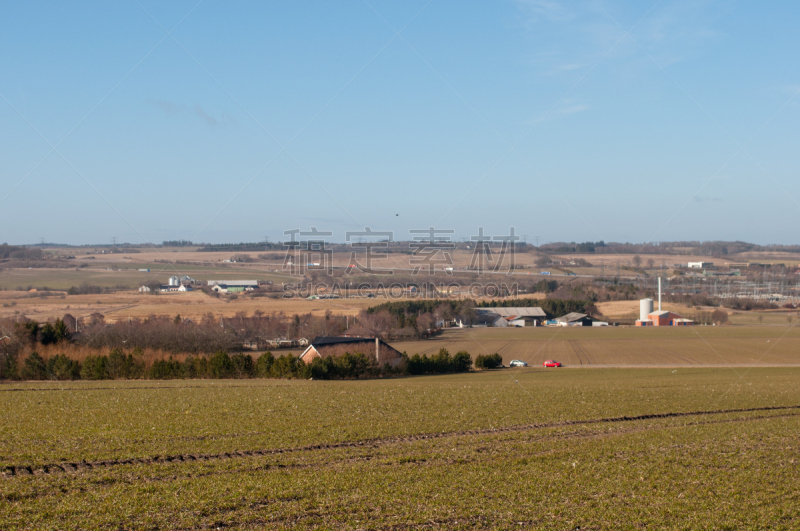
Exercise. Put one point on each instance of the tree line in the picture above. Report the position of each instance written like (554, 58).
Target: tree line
(119, 365)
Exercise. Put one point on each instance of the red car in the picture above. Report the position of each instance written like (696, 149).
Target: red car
(551, 363)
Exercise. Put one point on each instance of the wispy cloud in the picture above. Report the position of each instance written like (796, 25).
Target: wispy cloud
(571, 66)
(548, 9)
(171, 108)
(572, 109)
(571, 35)
(566, 108)
(707, 199)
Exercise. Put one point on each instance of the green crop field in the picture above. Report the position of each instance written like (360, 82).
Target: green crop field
(564, 449)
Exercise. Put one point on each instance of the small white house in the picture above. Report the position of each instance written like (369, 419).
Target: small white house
(144, 289)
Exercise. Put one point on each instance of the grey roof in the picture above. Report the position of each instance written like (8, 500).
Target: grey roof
(230, 283)
(512, 312)
(570, 317)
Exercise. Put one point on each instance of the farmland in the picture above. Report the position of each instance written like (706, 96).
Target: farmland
(126, 278)
(122, 305)
(531, 448)
(626, 346)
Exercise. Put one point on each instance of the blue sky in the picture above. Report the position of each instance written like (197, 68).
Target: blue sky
(587, 120)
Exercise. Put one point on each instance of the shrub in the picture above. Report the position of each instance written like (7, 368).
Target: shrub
(119, 365)
(196, 367)
(264, 365)
(417, 364)
(94, 368)
(34, 367)
(53, 333)
(84, 289)
(719, 317)
(320, 368)
(220, 365)
(168, 369)
(242, 366)
(62, 368)
(8, 365)
(439, 363)
(488, 361)
(286, 366)
(462, 361)
(350, 365)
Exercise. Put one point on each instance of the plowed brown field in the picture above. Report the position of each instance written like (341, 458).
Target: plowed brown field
(697, 346)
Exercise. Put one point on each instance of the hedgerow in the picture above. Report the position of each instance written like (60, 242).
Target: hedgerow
(118, 365)
(488, 361)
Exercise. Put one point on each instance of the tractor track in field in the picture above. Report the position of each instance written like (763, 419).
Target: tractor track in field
(579, 352)
(376, 459)
(65, 467)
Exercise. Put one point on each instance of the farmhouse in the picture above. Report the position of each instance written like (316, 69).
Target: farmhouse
(171, 287)
(664, 318)
(233, 286)
(578, 319)
(503, 317)
(699, 265)
(252, 284)
(323, 347)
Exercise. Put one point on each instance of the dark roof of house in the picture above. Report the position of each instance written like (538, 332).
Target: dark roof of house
(321, 341)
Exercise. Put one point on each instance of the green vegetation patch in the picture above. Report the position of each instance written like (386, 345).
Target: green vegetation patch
(492, 449)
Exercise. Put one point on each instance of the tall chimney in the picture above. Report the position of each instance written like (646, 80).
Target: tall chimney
(659, 294)
(377, 351)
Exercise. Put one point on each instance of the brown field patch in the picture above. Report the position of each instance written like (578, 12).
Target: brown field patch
(123, 305)
(624, 347)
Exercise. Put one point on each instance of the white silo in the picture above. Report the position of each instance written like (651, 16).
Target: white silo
(174, 281)
(645, 308)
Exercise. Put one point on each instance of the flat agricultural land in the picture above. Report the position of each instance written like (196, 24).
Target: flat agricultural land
(125, 276)
(625, 346)
(122, 305)
(527, 449)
